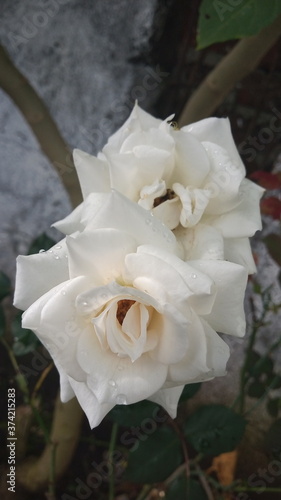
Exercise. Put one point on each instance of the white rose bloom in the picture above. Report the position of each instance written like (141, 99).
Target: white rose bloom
(123, 316)
(192, 179)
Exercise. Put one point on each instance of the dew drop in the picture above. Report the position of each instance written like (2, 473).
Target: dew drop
(84, 304)
(42, 250)
(56, 257)
(66, 256)
(50, 251)
(63, 292)
(58, 247)
(112, 383)
(121, 399)
(194, 276)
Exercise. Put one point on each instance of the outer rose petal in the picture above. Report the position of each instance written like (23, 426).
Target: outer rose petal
(66, 391)
(218, 131)
(116, 212)
(138, 120)
(53, 318)
(71, 222)
(227, 315)
(93, 173)
(201, 242)
(94, 410)
(113, 376)
(239, 250)
(38, 273)
(168, 399)
(245, 219)
(194, 363)
(99, 253)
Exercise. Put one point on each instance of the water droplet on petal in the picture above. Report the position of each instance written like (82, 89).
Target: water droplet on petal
(112, 383)
(63, 292)
(58, 247)
(42, 250)
(56, 257)
(50, 251)
(121, 399)
(66, 256)
(194, 276)
(84, 304)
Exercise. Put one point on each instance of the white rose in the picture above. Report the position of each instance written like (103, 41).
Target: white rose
(124, 317)
(192, 179)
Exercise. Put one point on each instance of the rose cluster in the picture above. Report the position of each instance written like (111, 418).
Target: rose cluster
(153, 265)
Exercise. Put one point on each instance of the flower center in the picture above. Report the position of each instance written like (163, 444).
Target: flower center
(122, 309)
(170, 194)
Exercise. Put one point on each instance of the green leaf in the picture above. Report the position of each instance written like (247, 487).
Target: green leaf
(182, 488)
(189, 391)
(43, 242)
(214, 429)
(25, 341)
(221, 20)
(137, 413)
(273, 439)
(5, 285)
(273, 406)
(256, 390)
(155, 457)
(273, 244)
(2, 321)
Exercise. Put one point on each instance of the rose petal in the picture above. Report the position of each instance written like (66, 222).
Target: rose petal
(53, 318)
(194, 363)
(93, 173)
(114, 377)
(99, 254)
(239, 250)
(38, 273)
(227, 315)
(192, 164)
(114, 211)
(71, 222)
(217, 131)
(201, 242)
(168, 399)
(236, 224)
(94, 410)
(151, 269)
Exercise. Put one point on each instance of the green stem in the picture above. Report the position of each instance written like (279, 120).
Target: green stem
(257, 323)
(52, 476)
(22, 384)
(144, 492)
(262, 398)
(19, 377)
(111, 449)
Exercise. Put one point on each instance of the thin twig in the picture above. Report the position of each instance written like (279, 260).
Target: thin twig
(111, 449)
(243, 58)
